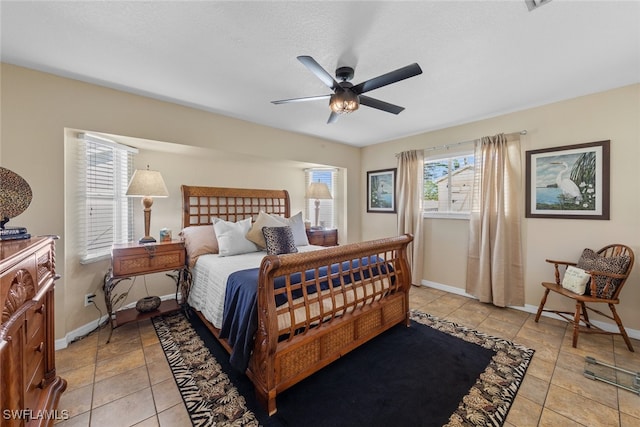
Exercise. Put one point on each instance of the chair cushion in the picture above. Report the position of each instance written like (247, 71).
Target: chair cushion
(592, 261)
(575, 280)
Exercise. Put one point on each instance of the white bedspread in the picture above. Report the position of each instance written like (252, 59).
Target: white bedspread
(210, 276)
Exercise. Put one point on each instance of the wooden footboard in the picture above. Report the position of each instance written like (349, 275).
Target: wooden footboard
(326, 314)
(359, 302)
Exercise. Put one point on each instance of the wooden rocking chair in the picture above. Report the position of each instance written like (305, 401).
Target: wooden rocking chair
(595, 294)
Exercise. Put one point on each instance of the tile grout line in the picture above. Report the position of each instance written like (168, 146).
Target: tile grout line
(424, 300)
(146, 364)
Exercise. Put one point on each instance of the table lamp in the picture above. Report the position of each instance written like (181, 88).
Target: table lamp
(147, 184)
(318, 191)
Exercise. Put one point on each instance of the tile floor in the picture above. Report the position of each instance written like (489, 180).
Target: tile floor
(128, 382)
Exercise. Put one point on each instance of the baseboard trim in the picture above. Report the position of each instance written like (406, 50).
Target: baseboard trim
(610, 327)
(83, 330)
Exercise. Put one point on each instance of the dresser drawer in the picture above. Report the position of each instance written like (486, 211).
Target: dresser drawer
(132, 260)
(33, 390)
(35, 319)
(34, 352)
(17, 286)
(12, 357)
(44, 265)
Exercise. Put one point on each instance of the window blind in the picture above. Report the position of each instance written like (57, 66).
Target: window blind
(328, 207)
(104, 170)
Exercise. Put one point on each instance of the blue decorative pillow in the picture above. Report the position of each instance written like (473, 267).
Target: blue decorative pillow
(279, 240)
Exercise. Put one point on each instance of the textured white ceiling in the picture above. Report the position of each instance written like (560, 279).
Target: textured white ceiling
(479, 58)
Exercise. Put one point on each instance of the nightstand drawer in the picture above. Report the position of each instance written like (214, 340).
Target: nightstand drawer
(134, 259)
(323, 237)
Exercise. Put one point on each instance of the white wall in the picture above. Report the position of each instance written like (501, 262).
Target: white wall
(613, 115)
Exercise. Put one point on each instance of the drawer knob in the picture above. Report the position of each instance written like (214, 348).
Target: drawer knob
(39, 347)
(40, 310)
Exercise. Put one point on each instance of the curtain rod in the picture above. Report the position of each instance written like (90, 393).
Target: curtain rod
(455, 144)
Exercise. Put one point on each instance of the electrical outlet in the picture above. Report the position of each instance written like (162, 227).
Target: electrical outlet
(88, 299)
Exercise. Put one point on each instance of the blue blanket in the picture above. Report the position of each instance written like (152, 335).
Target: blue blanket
(240, 317)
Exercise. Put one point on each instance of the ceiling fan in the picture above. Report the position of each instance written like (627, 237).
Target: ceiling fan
(346, 97)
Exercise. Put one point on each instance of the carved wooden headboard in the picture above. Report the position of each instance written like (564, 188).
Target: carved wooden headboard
(201, 204)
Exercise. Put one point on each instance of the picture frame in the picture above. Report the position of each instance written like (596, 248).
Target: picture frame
(570, 182)
(381, 191)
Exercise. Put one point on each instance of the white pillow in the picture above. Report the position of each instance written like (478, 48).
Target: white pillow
(231, 237)
(264, 220)
(297, 228)
(575, 280)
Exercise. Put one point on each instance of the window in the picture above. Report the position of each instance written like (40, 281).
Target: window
(106, 213)
(327, 214)
(448, 183)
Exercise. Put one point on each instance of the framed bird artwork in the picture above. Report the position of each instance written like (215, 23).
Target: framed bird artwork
(570, 182)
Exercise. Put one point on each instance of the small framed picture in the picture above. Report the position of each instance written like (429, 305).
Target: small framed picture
(381, 191)
(165, 235)
(570, 182)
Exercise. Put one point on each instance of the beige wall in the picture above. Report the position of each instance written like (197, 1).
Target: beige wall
(613, 115)
(179, 165)
(38, 110)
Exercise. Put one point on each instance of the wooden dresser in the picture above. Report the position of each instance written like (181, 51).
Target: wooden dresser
(30, 388)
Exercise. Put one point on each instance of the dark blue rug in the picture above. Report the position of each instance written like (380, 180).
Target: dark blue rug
(433, 373)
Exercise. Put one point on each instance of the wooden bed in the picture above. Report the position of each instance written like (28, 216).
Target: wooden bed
(321, 326)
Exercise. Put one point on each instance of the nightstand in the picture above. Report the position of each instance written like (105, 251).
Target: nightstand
(135, 259)
(327, 237)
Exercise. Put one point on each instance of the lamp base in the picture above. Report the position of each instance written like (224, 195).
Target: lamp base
(146, 239)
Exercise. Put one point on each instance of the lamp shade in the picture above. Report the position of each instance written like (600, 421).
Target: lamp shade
(318, 190)
(147, 183)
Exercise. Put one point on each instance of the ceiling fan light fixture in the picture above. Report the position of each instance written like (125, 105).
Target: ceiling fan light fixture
(346, 97)
(344, 102)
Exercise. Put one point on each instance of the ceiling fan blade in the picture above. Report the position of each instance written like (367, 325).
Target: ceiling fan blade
(388, 78)
(380, 105)
(320, 72)
(306, 98)
(333, 117)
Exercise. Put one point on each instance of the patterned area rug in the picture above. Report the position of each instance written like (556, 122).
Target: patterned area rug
(490, 398)
(212, 398)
